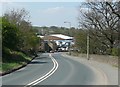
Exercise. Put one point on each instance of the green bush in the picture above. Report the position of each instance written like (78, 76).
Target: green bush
(115, 51)
(10, 34)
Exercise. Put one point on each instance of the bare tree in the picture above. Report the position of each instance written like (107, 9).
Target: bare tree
(101, 22)
(116, 9)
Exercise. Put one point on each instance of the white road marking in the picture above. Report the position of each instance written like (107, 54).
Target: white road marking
(52, 71)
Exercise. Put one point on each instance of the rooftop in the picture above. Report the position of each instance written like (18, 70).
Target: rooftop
(61, 36)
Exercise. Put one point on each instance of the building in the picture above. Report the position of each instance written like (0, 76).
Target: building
(63, 42)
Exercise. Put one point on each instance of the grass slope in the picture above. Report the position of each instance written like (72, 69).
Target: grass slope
(16, 60)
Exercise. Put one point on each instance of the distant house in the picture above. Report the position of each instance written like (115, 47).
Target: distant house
(62, 41)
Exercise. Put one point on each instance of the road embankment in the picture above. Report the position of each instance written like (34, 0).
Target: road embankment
(18, 61)
(112, 60)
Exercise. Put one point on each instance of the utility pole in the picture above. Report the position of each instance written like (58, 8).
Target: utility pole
(88, 40)
(69, 34)
(39, 37)
(42, 32)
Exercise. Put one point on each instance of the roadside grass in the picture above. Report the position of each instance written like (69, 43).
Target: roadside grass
(115, 66)
(8, 66)
(112, 60)
(16, 60)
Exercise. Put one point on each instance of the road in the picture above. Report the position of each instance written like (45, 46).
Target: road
(53, 69)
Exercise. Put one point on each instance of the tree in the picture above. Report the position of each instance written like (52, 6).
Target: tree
(10, 35)
(27, 37)
(101, 23)
(80, 40)
(17, 16)
(115, 9)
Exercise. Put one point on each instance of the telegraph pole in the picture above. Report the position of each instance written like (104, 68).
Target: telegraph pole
(88, 40)
(42, 32)
(69, 34)
(39, 38)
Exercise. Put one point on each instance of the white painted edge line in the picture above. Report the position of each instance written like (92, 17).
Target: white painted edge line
(52, 71)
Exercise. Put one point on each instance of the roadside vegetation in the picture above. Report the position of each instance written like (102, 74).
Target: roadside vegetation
(100, 21)
(19, 41)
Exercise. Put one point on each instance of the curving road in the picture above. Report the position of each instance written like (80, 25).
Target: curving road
(53, 69)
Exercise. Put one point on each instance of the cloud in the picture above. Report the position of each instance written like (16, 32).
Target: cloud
(8, 6)
(42, 0)
(54, 10)
(55, 16)
(13, 5)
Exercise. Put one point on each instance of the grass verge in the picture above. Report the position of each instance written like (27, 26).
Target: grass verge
(112, 60)
(15, 61)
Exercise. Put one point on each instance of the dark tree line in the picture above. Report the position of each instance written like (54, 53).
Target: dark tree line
(55, 30)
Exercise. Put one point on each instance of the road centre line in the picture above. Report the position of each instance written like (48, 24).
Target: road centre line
(52, 71)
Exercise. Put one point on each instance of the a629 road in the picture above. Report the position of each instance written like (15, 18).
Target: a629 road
(52, 69)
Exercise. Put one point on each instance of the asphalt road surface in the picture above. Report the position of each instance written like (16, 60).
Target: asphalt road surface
(53, 69)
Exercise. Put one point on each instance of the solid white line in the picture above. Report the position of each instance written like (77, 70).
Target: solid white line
(44, 75)
(52, 71)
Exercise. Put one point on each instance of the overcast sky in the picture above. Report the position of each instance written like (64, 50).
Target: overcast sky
(48, 13)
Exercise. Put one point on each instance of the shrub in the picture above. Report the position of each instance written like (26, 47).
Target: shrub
(115, 51)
